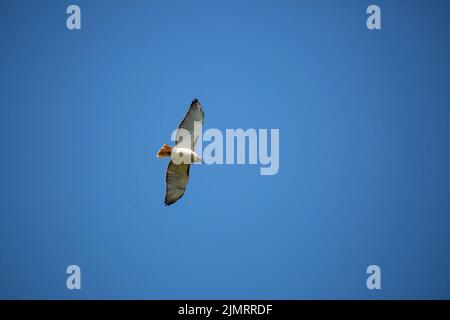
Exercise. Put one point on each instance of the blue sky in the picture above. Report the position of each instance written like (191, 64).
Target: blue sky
(364, 149)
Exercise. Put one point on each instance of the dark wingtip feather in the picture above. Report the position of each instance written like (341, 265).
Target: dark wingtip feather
(170, 201)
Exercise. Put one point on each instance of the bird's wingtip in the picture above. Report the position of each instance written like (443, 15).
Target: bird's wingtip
(195, 101)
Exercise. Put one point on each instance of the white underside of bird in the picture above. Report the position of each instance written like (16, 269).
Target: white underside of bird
(184, 155)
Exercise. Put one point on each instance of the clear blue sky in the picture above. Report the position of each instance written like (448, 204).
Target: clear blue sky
(364, 149)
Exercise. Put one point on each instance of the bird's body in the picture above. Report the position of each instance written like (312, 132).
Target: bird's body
(182, 154)
(179, 154)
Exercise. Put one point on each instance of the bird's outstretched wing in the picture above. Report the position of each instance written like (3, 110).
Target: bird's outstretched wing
(177, 177)
(193, 115)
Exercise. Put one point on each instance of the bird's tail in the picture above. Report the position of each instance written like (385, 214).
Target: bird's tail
(165, 151)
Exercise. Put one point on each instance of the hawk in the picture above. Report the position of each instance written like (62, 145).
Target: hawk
(183, 153)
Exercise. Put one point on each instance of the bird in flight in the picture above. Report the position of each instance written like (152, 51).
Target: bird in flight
(183, 153)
